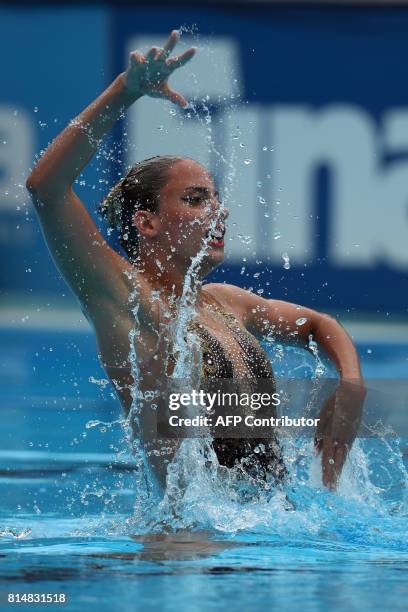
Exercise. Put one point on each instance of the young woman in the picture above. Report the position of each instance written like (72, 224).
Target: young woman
(167, 210)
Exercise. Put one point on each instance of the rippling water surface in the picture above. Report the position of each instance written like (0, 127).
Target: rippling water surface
(70, 521)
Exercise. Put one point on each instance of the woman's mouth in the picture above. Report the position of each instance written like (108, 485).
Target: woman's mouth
(216, 237)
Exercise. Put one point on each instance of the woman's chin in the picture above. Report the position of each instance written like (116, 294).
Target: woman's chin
(210, 259)
(214, 256)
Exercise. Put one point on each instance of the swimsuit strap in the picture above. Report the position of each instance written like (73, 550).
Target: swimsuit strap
(254, 357)
(260, 458)
(215, 362)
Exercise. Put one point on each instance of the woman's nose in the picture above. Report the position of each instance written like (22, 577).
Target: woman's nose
(218, 211)
(224, 213)
(220, 214)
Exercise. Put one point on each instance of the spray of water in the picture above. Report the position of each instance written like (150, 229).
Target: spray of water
(199, 493)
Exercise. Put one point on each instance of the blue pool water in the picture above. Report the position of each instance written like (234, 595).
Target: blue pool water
(67, 495)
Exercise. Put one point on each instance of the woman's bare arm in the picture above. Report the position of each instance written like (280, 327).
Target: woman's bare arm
(292, 324)
(94, 271)
(341, 414)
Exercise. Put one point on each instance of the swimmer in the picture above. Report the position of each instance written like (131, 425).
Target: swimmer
(167, 209)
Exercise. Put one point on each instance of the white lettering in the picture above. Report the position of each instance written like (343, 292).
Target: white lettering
(16, 155)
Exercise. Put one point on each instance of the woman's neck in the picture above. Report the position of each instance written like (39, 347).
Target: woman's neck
(171, 281)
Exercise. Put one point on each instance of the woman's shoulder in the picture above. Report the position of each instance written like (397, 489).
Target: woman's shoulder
(232, 298)
(226, 290)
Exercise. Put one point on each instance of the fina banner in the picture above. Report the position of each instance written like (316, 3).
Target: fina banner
(301, 113)
(310, 108)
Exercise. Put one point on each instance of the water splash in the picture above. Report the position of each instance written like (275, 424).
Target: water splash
(201, 494)
(15, 533)
(286, 261)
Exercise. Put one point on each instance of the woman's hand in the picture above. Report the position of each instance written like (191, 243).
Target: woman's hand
(148, 74)
(339, 422)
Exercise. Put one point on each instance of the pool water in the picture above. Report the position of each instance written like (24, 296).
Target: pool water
(68, 492)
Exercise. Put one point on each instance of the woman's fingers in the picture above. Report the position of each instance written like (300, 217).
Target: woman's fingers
(333, 458)
(174, 96)
(183, 58)
(170, 43)
(163, 53)
(136, 58)
(327, 463)
(318, 445)
(151, 54)
(156, 84)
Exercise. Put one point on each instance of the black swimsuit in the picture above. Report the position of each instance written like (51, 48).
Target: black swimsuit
(259, 457)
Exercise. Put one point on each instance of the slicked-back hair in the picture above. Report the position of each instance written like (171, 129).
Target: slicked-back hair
(138, 190)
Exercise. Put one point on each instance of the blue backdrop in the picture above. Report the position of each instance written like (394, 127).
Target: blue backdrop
(311, 104)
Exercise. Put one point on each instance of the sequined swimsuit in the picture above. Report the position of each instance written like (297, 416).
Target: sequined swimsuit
(258, 456)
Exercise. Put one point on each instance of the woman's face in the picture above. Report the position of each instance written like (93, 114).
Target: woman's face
(191, 215)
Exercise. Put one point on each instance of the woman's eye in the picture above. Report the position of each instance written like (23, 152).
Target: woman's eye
(193, 199)
(200, 200)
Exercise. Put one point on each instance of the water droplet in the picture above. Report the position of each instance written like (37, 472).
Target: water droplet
(301, 321)
(286, 261)
(320, 369)
(100, 382)
(312, 346)
(245, 239)
(331, 461)
(276, 236)
(247, 161)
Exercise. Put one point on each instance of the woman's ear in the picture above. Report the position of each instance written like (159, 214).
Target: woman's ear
(147, 223)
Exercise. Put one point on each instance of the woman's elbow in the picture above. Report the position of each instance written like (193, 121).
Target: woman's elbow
(35, 185)
(31, 184)
(44, 191)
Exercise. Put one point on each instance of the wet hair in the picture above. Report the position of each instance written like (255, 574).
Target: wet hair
(138, 190)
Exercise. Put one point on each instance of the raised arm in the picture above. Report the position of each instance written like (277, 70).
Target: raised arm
(340, 416)
(94, 271)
